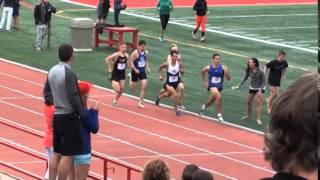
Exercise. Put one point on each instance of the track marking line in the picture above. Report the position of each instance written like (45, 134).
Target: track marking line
(161, 137)
(273, 28)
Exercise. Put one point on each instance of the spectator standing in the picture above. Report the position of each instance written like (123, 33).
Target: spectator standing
(67, 137)
(7, 14)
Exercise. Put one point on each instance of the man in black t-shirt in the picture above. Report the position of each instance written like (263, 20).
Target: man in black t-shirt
(275, 72)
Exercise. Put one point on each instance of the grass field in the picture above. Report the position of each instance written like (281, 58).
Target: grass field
(291, 26)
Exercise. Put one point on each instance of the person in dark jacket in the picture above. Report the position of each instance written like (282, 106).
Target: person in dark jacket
(200, 8)
(41, 17)
(7, 14)
(103, 10)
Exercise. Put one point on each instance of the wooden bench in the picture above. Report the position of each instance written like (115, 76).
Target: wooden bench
(120, 31)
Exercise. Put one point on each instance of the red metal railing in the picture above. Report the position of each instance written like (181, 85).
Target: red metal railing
(106, 159)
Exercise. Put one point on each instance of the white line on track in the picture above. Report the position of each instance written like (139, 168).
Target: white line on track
(271, 28)
(251, 16)
(161, 137)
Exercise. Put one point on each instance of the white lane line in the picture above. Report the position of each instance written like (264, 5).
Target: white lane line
(252, 16)
(271, 28)
(161, 137)
(217, 31)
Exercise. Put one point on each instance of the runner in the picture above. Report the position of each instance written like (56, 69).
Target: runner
(216, 73)
(120, 61)
(173, 85)
(139, 64)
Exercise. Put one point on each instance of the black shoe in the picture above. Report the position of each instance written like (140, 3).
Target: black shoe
(157, 101)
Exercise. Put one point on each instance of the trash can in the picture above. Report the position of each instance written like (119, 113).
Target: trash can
(81, 34)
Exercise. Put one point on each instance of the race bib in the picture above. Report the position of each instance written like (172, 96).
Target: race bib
(121, 66)
(173, 79)
(216, 80)
(141, 64)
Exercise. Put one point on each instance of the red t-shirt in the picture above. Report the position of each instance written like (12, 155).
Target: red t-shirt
(48, 115)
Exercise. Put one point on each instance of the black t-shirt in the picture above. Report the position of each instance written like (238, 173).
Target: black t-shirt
(284, 176)
(276, 68)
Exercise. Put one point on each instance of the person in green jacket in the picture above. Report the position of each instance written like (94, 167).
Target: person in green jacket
(164, 7)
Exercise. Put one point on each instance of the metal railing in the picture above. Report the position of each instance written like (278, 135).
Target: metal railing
(106, 159)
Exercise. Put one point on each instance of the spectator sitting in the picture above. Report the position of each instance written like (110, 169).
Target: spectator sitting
(188, 171)
(156, 169)
(202, 175)
(291, 141)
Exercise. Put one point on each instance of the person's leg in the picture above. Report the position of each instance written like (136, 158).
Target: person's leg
(53, 165)
(116, 16)
(180, 93)
(38, 39)
(217, 96)
(203, 27)
(49, 35)
(49, 152)
(143, 89)
(259, 99)
(9, 19)
(3, 17)
(173, 96)
(197, 21)
(250, 98)
(81, 171)
(116, 87)
(133, 85)
(273, 93)
(65, 167)
(43, 35)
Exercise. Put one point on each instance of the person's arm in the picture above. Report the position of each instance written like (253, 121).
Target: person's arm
(91, 121)
(226, 73)
(263, 80)
(171, 5)
(36, 14)
(267, 71)
(72, 89)
(241, 82)
(162, 66)
(181, 66)
(195, 5)
(52, 8)
(47, 94)
(205, 70)
(134, 57)
(284, 72)
(147, 63)
(108, 60)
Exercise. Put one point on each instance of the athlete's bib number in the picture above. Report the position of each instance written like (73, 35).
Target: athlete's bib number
(141, 64)
(121, 66)
(173, 79)
(216, 80)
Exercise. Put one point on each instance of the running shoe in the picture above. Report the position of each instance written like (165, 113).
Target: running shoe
(114, 103)
(181, 106)
(141, 105)
(202, 39)
(259, 121)
(246, 117)
(203, 109)
(220, 117)
(178, 113)
(157, 101)
(193, 35)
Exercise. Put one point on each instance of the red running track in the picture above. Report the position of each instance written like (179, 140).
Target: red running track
(133, 135)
